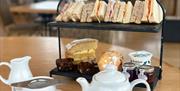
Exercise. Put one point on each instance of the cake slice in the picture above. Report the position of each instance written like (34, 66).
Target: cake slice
(83, 50)
(82, 44)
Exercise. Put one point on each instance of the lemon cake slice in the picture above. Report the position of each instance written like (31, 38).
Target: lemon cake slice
(82, 50)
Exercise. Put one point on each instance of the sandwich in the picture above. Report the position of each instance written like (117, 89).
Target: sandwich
(102, 10)
(156, 13)
(62, 11)
(59, 17)
(146, 11)
(67, 15)
(116, 10)
(86, 12)
(140, 12)
(76, 14)
(128, 11)
(152, 12)
(90, 7)
(95, 11)
(121, 12)
(137, 12)
(109, 11)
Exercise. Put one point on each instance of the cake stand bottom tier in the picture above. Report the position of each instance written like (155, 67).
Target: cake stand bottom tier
(74, 75)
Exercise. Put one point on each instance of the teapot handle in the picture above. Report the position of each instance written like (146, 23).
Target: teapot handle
(137, 81)
(1, 78)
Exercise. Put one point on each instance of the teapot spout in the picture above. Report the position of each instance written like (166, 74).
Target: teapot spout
(84, 83)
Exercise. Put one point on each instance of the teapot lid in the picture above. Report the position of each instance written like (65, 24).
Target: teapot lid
(110, 75)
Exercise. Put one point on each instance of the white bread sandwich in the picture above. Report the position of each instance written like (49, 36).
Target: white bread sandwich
(84, 14)
(121, 12)
(116, 10)
(109, 11)
(65, 16)
(101, 10)
(146, 11)
(62, 11)
(128, 11)
(95, 11)
(76, 14)
(59, 17)
(156, 13)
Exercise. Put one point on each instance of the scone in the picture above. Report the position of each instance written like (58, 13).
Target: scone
(111, 57)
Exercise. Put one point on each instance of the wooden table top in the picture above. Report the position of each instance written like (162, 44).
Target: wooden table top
(44, 52)
(44, 7)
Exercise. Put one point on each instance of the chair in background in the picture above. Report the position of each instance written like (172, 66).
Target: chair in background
(11, 28)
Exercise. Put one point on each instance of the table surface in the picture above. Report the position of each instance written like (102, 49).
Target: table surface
(44, 7)
(44, 52)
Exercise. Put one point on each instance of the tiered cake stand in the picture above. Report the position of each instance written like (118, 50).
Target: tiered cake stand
(151, 28)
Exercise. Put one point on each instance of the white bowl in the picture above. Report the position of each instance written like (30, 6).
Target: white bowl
(141, 57)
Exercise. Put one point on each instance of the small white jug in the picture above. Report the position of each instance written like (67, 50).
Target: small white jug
(19, 70)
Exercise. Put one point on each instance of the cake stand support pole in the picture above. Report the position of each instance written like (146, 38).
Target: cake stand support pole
(59, 41)
(162, 39)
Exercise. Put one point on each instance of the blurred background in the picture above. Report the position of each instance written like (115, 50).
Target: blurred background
(14, 13)
(30, 18)
(24, 31)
